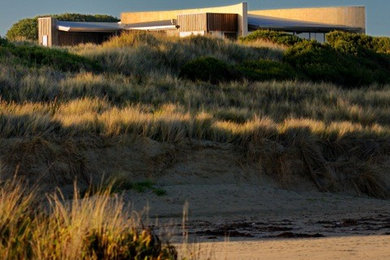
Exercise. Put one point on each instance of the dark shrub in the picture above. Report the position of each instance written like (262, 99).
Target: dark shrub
(321, 62)
(3, 42)
(35, 56)
(353, 43)
(272, 36)
(266, 70)
(208, 69)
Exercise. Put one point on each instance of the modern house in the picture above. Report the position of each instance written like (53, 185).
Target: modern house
(226, 21)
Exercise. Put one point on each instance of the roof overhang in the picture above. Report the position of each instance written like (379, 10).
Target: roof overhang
(66, 26)
(153, 26)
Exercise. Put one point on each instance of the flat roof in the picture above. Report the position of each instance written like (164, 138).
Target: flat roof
(155, 25)
(67, 26)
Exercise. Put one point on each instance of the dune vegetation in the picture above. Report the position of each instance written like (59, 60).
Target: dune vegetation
(283, 104)
(98, 227)
(133, 86)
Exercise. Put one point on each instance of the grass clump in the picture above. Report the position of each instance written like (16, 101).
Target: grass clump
(281, 38)
(262, 70)
(96, 227)
(208, 69)
(37, 57)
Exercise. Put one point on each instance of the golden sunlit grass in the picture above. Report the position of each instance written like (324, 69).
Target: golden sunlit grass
(93, 227)
(329, 120)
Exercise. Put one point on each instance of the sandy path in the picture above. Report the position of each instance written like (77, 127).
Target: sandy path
(366, 247)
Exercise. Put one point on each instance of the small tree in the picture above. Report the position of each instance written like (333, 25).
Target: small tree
(24, 30)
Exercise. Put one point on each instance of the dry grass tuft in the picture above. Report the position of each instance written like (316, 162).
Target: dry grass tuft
(98, 227)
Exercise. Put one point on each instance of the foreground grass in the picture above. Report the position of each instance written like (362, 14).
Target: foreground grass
(96, 227)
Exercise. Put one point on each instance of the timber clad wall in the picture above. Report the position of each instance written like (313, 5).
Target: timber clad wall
(240, 9)
(192, 22)
(47, 31)
(208, 22)
(222, 22)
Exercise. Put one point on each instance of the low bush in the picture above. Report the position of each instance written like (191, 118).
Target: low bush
(281, 38)
(321, 62)
(354, 43)
(266, 70)
(208, 69)
(36, 56)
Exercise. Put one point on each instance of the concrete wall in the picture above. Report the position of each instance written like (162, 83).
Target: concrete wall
(353, 16)
(140, 17)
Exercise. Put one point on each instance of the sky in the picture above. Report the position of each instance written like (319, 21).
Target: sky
(378, 21)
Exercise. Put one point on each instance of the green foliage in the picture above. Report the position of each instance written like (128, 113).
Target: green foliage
(3, 42)
(272, 36)
(36, 56)
(266, 70)
(208, 69)
(353, 43)
(321, 62)
(27, 29)
(24, 30)
(73, 17)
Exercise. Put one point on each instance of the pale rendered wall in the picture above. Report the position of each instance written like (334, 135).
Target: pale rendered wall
(140, 17)
(353, 16)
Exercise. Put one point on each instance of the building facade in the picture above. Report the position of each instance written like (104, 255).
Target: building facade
(226, 21)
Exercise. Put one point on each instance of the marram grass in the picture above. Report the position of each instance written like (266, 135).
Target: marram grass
(92, 227)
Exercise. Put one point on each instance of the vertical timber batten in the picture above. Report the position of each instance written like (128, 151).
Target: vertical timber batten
(47, 31)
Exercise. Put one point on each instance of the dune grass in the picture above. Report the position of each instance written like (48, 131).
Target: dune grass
(339, 137)
(92, 227)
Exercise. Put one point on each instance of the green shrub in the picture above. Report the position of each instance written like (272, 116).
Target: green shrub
(272, 36)
(266, 70)
(3, 42)
(35, 56)
(208, 69)
(321, 62)
(24, 30)
(353, 43)
(27, 29)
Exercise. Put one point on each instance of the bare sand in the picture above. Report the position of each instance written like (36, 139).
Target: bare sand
(358, 247)
(228, 199)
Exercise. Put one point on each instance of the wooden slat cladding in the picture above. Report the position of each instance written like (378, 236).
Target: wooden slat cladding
(47, 28)
(208, 22)
(222, 22)
(192, 22)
